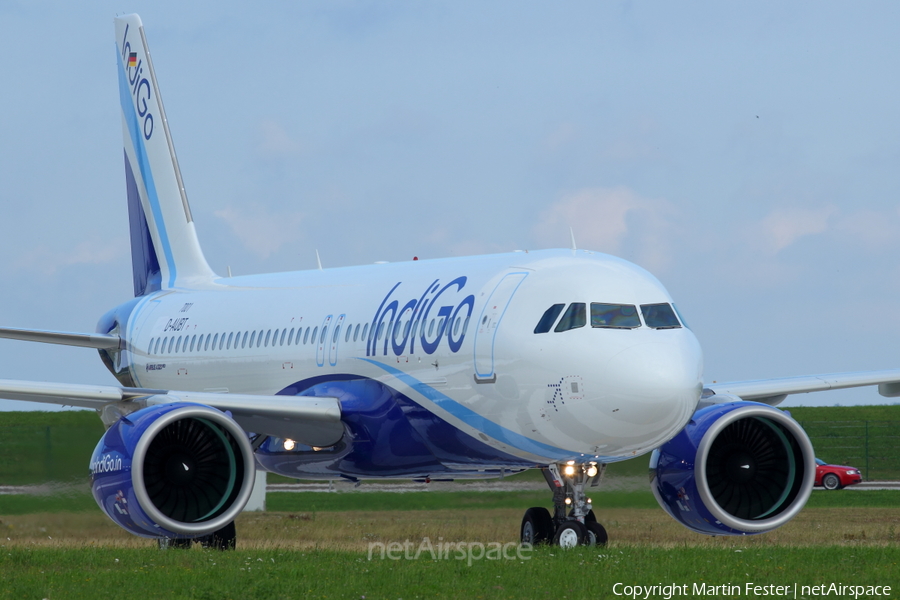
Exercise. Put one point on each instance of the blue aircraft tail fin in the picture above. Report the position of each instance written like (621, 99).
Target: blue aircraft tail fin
(165, 250)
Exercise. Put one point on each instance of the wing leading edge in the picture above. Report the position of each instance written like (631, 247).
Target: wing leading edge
(774, 391)
(310, 420)
(99, 341)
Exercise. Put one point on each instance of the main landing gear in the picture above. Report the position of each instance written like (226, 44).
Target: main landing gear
(573, 522)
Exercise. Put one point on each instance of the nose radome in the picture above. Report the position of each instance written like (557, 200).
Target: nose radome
(654, 386)
(652, 372)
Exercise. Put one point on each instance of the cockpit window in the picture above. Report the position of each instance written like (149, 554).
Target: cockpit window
(549, 318)
(614, 316)
(681, 317)
(574, 317)
(659, 316)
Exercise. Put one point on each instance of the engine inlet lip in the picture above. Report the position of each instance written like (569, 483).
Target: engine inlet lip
(137, 470)
(806, 486)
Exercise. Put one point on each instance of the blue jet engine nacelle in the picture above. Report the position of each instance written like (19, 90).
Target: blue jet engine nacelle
(737, 468)
(173, 470)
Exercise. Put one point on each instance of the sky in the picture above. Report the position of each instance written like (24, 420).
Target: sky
(745, 153)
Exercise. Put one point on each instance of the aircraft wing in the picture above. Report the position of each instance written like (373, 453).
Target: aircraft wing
(774, 391)
(310, 420)
(85, 340)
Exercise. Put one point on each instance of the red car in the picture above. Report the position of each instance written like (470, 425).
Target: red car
(834, 477)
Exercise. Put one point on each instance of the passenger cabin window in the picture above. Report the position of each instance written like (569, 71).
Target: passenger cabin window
(574, 317)
(547, 320)
(659, 316)
(614, 316)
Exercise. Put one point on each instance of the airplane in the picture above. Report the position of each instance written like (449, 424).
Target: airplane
(561, 360)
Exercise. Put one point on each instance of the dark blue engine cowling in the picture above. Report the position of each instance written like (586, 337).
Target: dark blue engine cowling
(737, 468)
(173, 470)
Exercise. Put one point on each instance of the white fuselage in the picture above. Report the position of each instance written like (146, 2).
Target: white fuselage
(586, 392)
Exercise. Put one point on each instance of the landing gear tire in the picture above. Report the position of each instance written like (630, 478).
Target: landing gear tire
(570, 534)
(223, 539)
(537, 526)
(831, 482)
(596, 533)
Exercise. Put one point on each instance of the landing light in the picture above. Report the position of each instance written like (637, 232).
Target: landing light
(569, 470)
(568, 501)
(592, 471)
(288, 444)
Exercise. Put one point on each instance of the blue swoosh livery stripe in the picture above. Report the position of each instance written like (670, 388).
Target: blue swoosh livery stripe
(137, 142)
(473, 419)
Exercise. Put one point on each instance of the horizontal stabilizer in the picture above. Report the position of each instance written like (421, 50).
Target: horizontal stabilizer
(85, 340)
(774, 391)
(308, 420)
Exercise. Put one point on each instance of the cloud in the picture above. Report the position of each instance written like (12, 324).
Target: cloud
(870, 229)
(50, 261)
(614, 220)
(260, 231)
(784, 226)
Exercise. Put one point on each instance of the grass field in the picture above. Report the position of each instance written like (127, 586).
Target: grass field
(350, 520)
(90, 572)
(325, 554)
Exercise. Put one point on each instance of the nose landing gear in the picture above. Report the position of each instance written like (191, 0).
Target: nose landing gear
(573, 522)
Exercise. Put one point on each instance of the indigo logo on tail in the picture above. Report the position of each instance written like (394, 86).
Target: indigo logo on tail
(400, 326)
(141, 92)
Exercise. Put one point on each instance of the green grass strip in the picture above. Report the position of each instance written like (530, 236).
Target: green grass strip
(92, 572)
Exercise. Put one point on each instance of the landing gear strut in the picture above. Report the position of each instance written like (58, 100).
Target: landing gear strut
(573, 522)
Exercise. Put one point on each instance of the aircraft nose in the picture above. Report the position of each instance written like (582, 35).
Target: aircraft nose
(651, 390)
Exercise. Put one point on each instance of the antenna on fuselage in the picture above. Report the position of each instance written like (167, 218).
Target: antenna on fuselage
(572, 233)
(229, 270)
(318, 260)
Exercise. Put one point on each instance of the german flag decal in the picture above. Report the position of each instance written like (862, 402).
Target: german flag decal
(132, 59)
